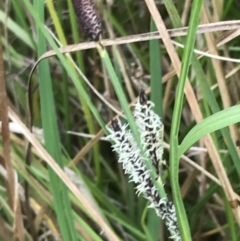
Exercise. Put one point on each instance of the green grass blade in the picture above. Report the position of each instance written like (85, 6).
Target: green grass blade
(156, 73)
(212, 123)
(52, 141)
(16, 29)
(56, 18)
(174, 160)
(75, 33)
(119, 91)
(156, 98)
(87, 113)
(230, 219)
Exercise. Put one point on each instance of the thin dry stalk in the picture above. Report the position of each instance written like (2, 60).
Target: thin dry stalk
(212, 27)
(11, 184)
(5, 133)
(218, 8)
(191, 176)
(86, 148)
(168, 89)
(186, 10)
(122, 67)
(217, 65)
(5, 231)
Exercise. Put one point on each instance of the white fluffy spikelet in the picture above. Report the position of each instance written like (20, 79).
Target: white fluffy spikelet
(151, 131)
(129, 153)
(150, 127)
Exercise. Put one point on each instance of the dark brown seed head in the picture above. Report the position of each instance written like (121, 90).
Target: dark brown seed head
(88, 18)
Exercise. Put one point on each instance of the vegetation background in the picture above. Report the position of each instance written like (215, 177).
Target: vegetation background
(72, 98)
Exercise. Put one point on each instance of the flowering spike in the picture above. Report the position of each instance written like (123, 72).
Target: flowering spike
(133, 162)
(151, 128)
(88, 18)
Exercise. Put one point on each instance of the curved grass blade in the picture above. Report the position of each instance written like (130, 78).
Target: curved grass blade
(212, 123)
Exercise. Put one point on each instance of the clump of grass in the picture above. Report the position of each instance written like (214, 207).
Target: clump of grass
(105, 207)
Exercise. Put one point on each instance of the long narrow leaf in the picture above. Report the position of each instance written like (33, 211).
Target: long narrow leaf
(212, 123)
(52, 141)
(174, 160)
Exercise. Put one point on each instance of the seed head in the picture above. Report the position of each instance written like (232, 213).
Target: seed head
(87, 15)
